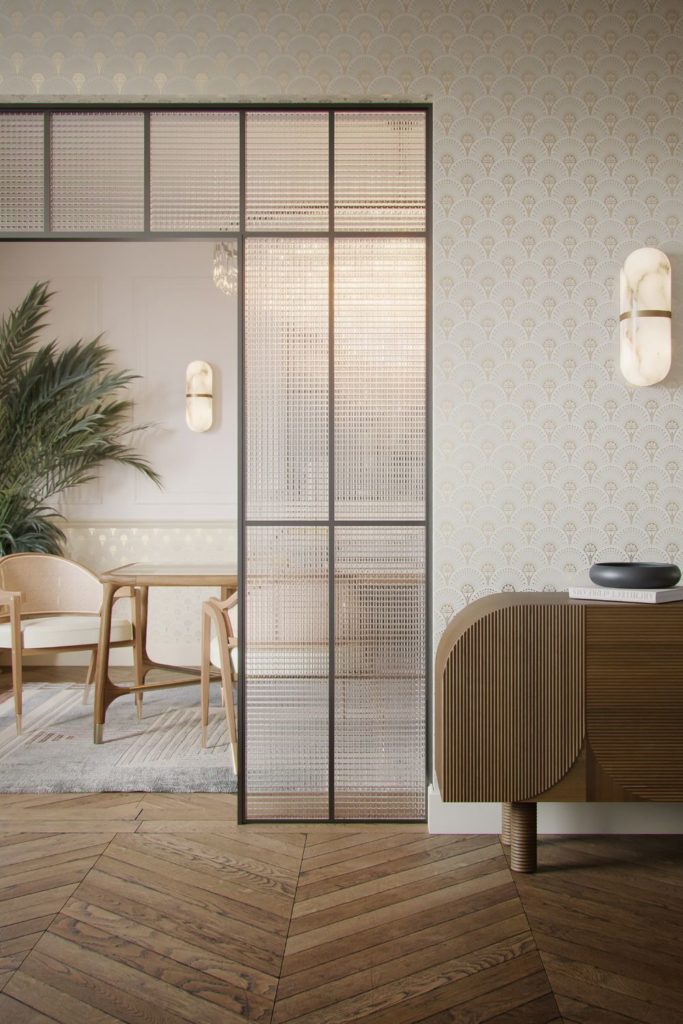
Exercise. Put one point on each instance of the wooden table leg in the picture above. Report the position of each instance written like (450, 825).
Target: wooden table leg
(143, 667)
(102, 682)
(523, 836)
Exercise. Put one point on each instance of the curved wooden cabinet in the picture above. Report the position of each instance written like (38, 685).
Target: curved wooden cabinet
(539, 697)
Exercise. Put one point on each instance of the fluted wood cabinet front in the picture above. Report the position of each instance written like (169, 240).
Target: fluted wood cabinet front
(539, 697)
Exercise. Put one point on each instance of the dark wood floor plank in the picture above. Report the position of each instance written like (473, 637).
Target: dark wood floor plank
(206, 887)
(526, 1001)
(114, 965)
(419, 989)
(616, 961)
(16, 1012)
(27, 927)
(649, 1003)
(261, 987)
(377, 854)
(48, 875)
(174, 909)
(470, 898)
(390, 890)
(396, 970)
(453, 892)
(392, 873)
(571, 898)
(210, 932)
(415, 938)
(562, 863)
(43, 999)
(477, 986)
(226, 850)
(575, 1011)
(71, 994)
(235, 1001)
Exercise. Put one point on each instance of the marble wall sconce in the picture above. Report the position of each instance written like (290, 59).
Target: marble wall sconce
(645, 317)
(199, 396)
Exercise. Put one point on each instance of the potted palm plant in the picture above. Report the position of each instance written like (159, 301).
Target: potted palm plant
(63, 412)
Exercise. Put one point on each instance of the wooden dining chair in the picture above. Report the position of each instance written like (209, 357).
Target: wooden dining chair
(49, 604)
(219, 648)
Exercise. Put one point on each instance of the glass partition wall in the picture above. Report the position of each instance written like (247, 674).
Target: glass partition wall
(331, 209)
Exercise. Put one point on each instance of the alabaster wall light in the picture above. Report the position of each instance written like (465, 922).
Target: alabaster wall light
(645, 317)
(199, 396)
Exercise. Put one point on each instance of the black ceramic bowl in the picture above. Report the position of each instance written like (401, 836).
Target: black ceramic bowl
(635, 575)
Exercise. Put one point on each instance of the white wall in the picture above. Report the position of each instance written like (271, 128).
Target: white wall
(159, 309)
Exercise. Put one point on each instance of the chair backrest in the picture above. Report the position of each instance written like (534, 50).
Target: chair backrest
(49, 583)
(231, 616)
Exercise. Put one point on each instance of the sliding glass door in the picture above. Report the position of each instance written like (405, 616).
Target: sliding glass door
(329, 207)
(335, 396)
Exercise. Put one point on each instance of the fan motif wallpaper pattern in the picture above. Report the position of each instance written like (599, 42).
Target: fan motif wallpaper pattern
(558, 149)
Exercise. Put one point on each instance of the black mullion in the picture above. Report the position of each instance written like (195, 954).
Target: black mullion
(428, 446)
(147, 171)
(173, 105)
(331, 476)
(336, 522)
(241, 495)
(47, 171)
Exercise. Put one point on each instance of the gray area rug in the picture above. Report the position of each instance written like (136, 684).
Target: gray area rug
(160, 754)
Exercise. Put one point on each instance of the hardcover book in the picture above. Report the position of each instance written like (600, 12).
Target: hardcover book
(595, 593)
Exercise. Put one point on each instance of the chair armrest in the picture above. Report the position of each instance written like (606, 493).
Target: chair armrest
(221, 605)
(9, 598)
(214, 610)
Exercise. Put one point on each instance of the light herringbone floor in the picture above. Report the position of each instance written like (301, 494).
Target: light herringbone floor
(160, 909)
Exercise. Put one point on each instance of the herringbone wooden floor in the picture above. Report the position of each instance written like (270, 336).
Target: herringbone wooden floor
(144, 908)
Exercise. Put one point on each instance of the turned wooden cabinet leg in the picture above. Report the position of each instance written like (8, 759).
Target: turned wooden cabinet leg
(505, 824)
(523, 836)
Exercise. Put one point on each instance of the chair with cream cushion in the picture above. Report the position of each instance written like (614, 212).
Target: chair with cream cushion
(220, 618)
(48, 604)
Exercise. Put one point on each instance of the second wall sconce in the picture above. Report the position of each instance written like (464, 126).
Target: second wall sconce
(199, 396)
(645, 317)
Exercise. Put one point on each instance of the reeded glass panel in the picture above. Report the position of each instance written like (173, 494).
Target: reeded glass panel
(98, 172)
(195, 171)
(286, 378)
(380, 368)
(379, 663)
(380, 171)
(287, 171)
(21, 172)
(286, 672)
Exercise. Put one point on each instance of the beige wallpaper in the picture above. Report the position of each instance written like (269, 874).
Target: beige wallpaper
(558, 148)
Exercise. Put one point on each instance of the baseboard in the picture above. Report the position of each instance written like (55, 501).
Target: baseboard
(559, 818)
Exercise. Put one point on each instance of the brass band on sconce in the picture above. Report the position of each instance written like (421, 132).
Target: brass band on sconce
(645, 312)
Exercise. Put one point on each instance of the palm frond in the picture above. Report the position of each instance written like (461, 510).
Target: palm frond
(65, 411)
(19, 331)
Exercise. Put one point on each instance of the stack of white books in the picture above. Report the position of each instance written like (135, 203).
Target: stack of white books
(592, 592)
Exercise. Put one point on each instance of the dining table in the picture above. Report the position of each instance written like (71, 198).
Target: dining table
(138, 577)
